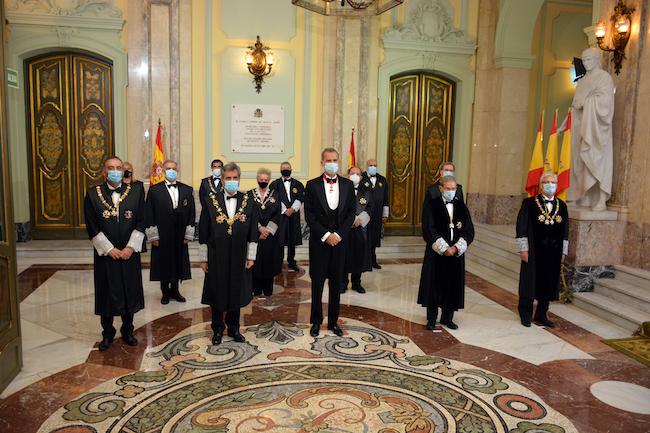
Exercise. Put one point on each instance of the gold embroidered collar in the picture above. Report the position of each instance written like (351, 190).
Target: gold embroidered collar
(111, 211)
(546, 217)
(222, 217)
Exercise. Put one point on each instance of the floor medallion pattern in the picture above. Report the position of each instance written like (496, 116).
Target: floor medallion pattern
(283, 380)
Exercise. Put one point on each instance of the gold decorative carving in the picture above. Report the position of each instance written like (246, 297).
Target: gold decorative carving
(92, 86)
(50, 140)
(93, 146)
(49, 83)
(53, 201)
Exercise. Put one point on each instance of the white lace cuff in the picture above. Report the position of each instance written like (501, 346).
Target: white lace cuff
(283, 208)
(385, 212)
(152, 233)
(296, 205)
(136, 240)
(101, 244)
(189, 233)
(522, 244)
(565, 248)
(365, 218)
(325, 236)
(203, 252)
(272, 227)
(252, 251)
(440, 246)
(461, 245)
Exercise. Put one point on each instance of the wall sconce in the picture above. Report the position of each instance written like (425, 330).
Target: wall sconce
(259, 63)
(621, 25)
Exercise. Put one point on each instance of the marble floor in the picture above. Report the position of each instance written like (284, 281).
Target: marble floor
(596, 388)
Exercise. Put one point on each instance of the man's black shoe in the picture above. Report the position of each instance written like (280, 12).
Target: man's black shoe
(315, 329)
(359, 289)
(237, 337)
(105, 344)
(545, 322)
(216, 338)
(450, 324)
(336, 330)
(376, 265)
(165, 300)
(431, 325)
(294, 268)
(130, 340)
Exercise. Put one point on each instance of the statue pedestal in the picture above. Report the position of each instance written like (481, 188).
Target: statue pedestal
(595, 244)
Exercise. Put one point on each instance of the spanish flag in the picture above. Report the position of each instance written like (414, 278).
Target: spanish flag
(157, 174)
(352, 160)
(536, 167)
(565, 161)
(551, 161)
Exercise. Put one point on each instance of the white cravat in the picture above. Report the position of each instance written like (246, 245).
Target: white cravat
(287, 187)
(115, 197)
(231, 205)
(173, 193)
(549, 205)
(356, 191)
(373, 180)
(215, 181)
(332, 193)
(450, 211)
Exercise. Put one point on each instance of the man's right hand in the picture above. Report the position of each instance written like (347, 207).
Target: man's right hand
(204, 267)
(289, 211)
(332, 240)
(115, 254)
(524, 256)
(155, 243)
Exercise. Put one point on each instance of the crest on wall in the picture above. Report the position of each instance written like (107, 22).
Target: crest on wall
(258, 113)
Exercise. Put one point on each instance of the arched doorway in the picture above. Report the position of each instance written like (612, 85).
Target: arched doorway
(419, 139)
(70, 133)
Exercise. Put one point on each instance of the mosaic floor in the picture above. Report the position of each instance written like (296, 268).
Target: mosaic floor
(387, 373)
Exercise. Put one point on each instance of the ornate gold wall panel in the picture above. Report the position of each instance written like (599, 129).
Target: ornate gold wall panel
(420, 138)
(71, 130)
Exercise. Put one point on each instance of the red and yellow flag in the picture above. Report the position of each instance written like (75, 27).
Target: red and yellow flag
(352, 160)
(536, 167)
(551, 161)
(157, 174)
(563, 177)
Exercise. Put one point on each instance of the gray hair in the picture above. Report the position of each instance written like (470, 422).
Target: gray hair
(328, 149)
(231, 166)
(445, 179)
(446, 163)
(170, 160)
(265, 171)
(547, 174)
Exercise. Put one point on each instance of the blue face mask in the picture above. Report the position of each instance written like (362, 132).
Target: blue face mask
(331, 168)
(231, 186)
(115, 176)
(447, 173)
(549, 188)
(449, 195)
(372, 170)
(171, 175)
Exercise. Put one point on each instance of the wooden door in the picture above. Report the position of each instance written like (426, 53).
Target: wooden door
(71, 133)
(420, 138)
(10, 340)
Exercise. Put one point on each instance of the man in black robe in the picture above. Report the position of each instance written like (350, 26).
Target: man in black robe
(115, 220)
(268, 262)
(228, 235)
(448, 230)
(358, 255)
(170, 221)
(329, 212)
(380, 199)
(543, 242)
(291, 193)
(448, 168)
(212, 182)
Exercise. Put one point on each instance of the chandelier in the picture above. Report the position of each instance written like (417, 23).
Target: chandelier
(349, 8)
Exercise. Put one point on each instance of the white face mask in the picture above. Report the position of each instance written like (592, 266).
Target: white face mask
(216, 172)
(355, 178)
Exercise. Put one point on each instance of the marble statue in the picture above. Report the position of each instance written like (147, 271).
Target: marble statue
(591, 135)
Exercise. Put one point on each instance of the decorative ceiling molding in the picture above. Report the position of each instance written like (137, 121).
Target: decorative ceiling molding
(429, 27)
(97, 14)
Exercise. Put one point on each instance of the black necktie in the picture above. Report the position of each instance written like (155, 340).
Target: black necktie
(228, 197)
(549, 201)
(287, 180)
(172, 185)
(118, 189)
(330, 180)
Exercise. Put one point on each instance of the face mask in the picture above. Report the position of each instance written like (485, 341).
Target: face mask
(171, 175)
(449, 195)
(549, 188)
(263, 185)
(331, 168)
(127, 174)
(285, 173)
(372, 170)
(355, 178)
(115, 176)
(216, 172)
(447, 173)
(231, 186)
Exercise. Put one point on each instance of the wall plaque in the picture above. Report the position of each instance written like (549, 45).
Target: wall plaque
(257, 128)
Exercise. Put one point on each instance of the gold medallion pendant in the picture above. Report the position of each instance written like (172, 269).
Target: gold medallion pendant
(106, 214)
(541, 218)
(558, 218)
(363, 201)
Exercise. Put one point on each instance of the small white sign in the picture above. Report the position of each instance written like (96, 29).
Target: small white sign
(257, 128)
(12, 78)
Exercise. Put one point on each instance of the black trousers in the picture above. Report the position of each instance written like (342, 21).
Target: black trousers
(354, 277)
(169, 287)
(432, 314)
(108, 330)
(374, 255)
(262, 285)
(232, 321)
(291, 254)
(329, 268)
(525, 308)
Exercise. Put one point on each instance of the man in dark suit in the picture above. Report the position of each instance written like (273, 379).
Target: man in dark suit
(329, 212)
(379, 197)
(170, 221)
(291, 193)
(212, 182)
(447, 168)
(115, 220)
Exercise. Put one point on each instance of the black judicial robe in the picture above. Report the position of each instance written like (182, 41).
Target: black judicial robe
(268, 263)
(442, 281)
(118, 283)
(290, 230)
(359, 254)
(207, 185)
(170, 261)
(321, 219)
(379, 197)
(228, 284)
(540, 277)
